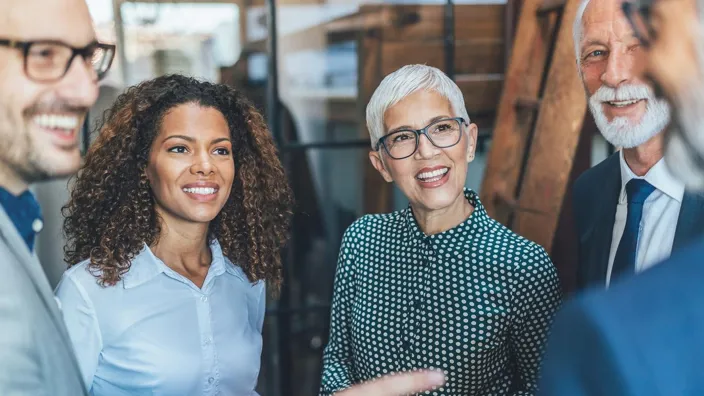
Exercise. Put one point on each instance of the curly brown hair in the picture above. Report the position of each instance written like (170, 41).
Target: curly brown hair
(111, 213)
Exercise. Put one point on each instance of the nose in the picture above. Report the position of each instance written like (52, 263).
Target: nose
(79, 87)
(619, 68)
(202, 165)
(426, 149)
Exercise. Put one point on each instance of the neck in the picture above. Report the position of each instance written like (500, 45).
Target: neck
(642, 158)
(11, 181)
(436, 221)
(183, 246)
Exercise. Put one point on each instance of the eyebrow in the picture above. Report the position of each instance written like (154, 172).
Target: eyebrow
(191, 140)
(432, 120)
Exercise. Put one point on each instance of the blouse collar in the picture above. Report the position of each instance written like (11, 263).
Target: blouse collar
(414, 231)
(145, 266)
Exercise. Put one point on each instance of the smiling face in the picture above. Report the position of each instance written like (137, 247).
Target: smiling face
(191, 168)
(611, 62)
(40, 122)
(432, 178)
(675, 63)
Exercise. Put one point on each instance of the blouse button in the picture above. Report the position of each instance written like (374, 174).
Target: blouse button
(211, 380)
(204, 298)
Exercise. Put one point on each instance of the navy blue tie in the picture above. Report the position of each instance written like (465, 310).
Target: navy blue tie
(638, 190)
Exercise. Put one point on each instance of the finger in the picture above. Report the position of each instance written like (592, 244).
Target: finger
(398, 384)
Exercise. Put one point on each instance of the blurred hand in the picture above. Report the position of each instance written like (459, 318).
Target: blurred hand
(398, 384)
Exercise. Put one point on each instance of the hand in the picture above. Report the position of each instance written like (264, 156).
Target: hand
(398, 384)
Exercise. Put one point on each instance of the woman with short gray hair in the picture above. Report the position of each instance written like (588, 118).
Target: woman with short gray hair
(439, 284)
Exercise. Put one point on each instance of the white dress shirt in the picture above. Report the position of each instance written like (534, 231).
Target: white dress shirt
(156, 333)
(660, 214)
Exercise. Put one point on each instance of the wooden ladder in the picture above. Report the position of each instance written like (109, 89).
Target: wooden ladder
(538, 123)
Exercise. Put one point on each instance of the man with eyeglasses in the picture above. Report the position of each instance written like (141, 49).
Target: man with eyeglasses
(645, 336)
(50, 64)
(630, 212)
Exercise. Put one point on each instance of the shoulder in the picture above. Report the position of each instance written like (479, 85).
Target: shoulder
(373, 226)
(595, 176)
(237, 271)
(670, 292)
(511, 244)
(79, 279)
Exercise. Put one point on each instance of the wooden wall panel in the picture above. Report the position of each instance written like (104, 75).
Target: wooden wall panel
(480, 96)
(471, 55)
(475, 21)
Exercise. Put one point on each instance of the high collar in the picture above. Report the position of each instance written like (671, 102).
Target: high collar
(414, 231)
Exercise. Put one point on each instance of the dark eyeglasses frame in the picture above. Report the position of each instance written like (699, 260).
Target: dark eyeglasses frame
(632, 10)
(84, 52)
(419, 132)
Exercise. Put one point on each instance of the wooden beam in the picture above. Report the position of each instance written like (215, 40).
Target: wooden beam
(512, 127)
(555, 142)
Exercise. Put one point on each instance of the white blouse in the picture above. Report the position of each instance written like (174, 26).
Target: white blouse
(156, 333)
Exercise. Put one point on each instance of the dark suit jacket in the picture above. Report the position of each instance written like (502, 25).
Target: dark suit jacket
(642, 337)
(595, 198)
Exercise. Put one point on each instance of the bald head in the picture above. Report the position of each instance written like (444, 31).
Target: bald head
(34, 146)
(68, 20)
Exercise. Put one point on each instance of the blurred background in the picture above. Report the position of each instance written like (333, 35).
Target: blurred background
(310, 66)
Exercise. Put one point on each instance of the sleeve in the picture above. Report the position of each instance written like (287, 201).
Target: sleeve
(581, 360)
(82, 325)
(20, 371)
(337, 358)
(537, 297)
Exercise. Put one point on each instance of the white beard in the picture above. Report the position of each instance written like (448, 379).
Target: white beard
(621, 132)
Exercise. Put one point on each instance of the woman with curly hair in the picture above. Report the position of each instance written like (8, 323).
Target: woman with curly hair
(175, 224)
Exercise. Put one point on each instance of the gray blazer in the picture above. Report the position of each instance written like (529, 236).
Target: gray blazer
(36, 356)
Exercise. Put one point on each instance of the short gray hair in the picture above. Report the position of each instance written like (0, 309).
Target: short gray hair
(577, 33)
(404, 82)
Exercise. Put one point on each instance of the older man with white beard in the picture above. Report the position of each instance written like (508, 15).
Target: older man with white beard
(630, 212)
(645, 336)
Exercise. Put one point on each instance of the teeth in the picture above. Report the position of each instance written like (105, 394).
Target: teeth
(200, 190)
(436, 174)
(623, 103)
(57, 121)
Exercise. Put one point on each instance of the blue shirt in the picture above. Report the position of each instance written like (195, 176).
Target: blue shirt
(25, 213)
(156, 333)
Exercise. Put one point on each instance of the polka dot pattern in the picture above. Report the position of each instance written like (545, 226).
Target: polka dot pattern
(475, 301)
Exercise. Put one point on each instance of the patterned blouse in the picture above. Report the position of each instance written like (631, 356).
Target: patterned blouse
(475, 301)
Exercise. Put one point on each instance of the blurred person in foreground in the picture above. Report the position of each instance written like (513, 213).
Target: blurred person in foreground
(630, 212)
(50, 64)
(174, 227)
(438, 285)
(645, 336)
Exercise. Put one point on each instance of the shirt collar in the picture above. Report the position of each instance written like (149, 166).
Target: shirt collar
(24, 212)
(658, 176)
(414, 231)
(145, 266)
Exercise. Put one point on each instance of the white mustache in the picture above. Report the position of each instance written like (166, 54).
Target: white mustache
(624, 92)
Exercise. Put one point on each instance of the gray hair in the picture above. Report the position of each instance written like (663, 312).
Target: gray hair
(577, 33)
(404, 82)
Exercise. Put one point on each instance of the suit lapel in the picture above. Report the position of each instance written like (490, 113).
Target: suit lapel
(690, 223)
(602, 233)
(31, 266)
